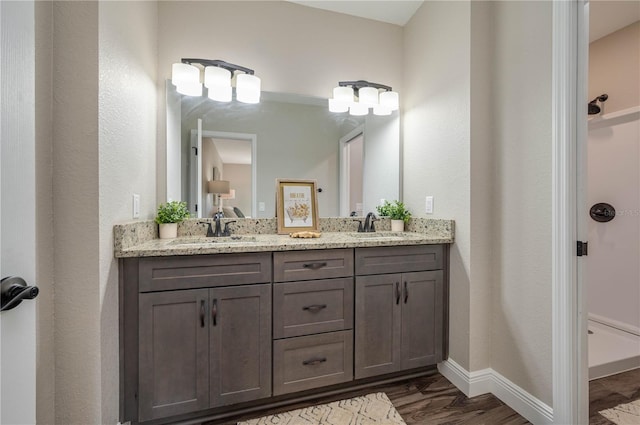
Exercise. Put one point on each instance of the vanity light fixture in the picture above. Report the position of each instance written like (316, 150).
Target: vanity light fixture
(374, 96)
(218, 76)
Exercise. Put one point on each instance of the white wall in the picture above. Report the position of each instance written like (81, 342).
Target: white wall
(477, 136)
(127, 141)
(104, 133)
(436, 139)
(293, 48)
(614, 68)
(240, 177)
(521, 109)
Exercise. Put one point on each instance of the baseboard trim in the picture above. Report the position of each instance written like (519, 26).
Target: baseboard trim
(489, 381)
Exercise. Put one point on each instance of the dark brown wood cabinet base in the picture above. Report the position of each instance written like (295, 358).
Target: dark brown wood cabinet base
(208, 336)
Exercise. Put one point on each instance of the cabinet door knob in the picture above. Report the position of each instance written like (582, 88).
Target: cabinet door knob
(214, 312)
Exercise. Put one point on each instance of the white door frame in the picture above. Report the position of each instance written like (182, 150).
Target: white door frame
(569, 98)
(345, 183)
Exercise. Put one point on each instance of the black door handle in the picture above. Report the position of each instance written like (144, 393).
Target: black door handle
(13, 290)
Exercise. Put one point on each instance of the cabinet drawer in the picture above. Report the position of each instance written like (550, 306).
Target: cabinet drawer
(315, 264)
(203, 271)
(312, 361)
(315, 306)
(398, 259)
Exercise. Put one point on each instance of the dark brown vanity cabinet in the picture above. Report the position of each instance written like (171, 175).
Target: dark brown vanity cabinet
(199, 348)
(399, 320)
(204, 336)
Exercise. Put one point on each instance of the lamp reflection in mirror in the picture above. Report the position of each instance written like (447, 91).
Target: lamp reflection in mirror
(218, 187)
(218, 76)
(378, 97)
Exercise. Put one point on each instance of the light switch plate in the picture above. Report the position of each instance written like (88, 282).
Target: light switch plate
(429, 205)
(136, 205)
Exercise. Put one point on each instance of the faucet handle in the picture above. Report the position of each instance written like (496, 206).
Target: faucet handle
(227, 231)
(209, 228)
(360, 229)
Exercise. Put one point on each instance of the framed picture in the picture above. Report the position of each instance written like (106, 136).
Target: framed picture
(296, 205)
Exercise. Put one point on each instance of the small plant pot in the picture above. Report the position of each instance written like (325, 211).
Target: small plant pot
(397, 225)
(168, 230)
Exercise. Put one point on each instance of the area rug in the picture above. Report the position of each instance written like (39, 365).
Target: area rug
(624, 414)
(369, 409)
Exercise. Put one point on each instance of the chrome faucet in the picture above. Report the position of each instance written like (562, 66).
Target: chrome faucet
(368, 223)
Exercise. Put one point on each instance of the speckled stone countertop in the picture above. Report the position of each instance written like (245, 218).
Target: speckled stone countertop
(140, 239)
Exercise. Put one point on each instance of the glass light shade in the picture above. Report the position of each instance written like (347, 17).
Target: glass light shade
(190, 89)
(218, 186)
(220, 93)
(183, 73)
(337, 106)
(358, 109)
(368, 96)
(247, 88)
(343, 95)
(390, 100)
(381, 110)
(214, 76)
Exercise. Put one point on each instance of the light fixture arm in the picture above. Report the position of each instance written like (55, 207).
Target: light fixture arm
(219, 63)
(357, 85)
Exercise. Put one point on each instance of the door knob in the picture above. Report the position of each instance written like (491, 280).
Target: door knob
(13, 290)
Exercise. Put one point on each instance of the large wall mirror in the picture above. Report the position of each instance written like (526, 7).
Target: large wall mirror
(355, 160)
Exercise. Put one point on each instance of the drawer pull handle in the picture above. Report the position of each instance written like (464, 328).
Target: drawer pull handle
(406, 292)
(312, 362)
(202, 313)
(214, 312)
(314, 308)
(315, 266)
(397, 293)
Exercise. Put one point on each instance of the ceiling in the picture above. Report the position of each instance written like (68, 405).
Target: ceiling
(394, 12)
(606, 16)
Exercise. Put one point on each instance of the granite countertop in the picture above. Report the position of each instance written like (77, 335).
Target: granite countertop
(139, 239)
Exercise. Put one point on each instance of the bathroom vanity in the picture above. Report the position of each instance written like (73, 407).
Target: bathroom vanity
(210, 329)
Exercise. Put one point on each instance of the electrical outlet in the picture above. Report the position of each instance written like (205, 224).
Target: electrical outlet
(382, 201)
(429, 205)
(261, 206)
(136, 205)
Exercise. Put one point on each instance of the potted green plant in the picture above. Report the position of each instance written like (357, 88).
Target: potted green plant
(397, 212)
(168, 217)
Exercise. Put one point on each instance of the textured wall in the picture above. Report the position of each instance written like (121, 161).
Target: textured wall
(614, 68)
(76, 206)
(436, 139)
(521, 109)
(127, 143)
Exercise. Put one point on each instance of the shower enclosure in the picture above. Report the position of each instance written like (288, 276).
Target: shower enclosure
(614, 244)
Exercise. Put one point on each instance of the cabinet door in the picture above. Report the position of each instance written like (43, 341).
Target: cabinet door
(422, 304)
(240, 344)
(377, 326)
(173, 353)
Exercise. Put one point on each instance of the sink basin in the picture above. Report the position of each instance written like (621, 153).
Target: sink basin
(380, 235)
(218, 240)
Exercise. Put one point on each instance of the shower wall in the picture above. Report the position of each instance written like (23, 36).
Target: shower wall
(614, 177)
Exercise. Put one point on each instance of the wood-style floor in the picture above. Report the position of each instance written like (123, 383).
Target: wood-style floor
(611, 391)
(429, 400)
(433, 400)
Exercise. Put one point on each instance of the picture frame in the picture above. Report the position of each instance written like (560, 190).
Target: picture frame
(296, 205)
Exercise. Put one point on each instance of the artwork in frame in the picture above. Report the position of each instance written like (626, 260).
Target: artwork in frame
(296, 205)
